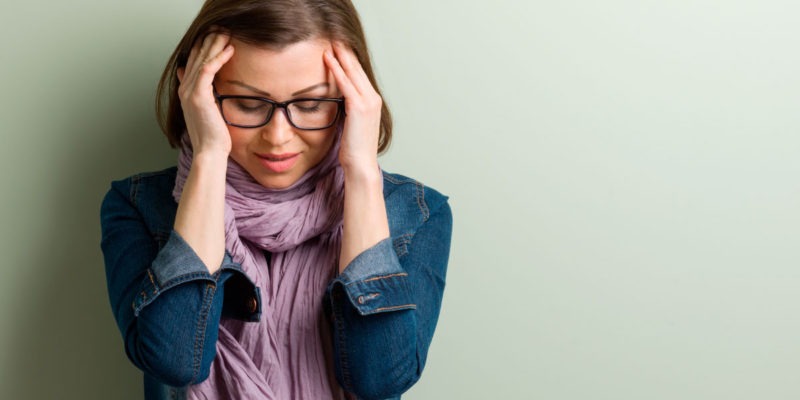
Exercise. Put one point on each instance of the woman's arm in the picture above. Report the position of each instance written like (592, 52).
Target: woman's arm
(200, 218)
(166, 304)
(384, 309)
(385, 306)
(364, 221)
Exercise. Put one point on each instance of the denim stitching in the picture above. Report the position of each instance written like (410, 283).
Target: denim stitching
(421, 201)
(401, 244)
(389, 178)
(385, 276)
(187, 277)
(394, 180)
(339, 323)
(200, 335)
(152, 281)
(412, 305)
(134, 191)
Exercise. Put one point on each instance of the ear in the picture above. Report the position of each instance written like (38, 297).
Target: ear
(181, 71)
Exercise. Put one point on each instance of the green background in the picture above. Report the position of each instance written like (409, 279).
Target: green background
(623, 174)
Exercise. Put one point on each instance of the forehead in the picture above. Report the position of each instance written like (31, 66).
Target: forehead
(278, 71)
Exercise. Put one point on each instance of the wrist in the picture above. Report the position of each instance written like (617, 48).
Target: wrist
(210, 157)
(361, 174)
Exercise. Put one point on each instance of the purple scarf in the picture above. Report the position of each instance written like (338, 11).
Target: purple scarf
(288, 354)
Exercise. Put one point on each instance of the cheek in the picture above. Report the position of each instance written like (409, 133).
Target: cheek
(241, 141)
(239, 138)
(323, 143)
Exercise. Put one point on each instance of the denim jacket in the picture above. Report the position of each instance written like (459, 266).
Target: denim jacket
(383, 307)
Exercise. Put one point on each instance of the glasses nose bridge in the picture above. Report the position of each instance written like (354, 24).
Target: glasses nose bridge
(277, 132)
(276, 106)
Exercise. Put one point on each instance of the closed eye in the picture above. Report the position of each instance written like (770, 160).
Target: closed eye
(308, 106)
(250, 105)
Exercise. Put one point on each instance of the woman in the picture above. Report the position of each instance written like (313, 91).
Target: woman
(277, 261)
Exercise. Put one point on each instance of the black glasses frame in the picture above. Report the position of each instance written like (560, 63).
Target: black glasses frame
(284, 105)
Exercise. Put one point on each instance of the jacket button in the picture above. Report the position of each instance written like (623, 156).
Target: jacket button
(252, 304)
(360, 299)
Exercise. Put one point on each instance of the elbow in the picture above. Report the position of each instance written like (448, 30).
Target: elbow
(171, 364)
(174, 371)
(177, 377)
(384, 381)
(371, 389)
(168, 343)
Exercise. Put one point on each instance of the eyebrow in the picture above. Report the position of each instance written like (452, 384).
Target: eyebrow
(266, 94)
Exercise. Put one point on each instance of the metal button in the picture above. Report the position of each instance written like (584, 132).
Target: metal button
(252, 304)
(360, 299)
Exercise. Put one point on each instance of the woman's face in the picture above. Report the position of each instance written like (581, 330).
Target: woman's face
(278, 154)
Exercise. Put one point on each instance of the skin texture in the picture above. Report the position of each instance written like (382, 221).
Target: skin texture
(281, 73)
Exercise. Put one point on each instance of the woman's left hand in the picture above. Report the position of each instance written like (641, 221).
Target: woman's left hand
(365, 220)
(359, 145)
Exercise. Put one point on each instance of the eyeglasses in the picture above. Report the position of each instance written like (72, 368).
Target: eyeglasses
(309, 114)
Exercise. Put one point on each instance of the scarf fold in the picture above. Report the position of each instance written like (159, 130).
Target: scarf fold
(288, 354)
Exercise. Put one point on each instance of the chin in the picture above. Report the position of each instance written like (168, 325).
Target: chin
(277, 182)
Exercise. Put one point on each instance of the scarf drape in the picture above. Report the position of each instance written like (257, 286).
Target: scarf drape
(288, 353)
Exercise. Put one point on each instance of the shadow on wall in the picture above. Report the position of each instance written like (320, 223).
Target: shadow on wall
(66, 343)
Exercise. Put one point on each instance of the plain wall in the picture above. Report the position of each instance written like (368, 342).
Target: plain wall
(623, 176)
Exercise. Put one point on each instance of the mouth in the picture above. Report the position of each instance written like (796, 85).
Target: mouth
(278, 162)
(277, 157)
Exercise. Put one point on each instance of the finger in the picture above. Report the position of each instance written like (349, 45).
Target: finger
(200, 59)
(349, 62)
(214, 45)
(201, 53)
(213, 65)
(192, 55)
(190, 68)
(218, 43)
(342, 80)
(190, 60)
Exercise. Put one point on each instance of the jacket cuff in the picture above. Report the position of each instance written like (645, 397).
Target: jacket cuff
(176, 263)
(374, 281)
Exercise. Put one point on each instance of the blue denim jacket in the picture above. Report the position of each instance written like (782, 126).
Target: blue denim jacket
(383, 307)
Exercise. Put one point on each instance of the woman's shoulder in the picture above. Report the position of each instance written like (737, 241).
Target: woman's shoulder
(148, 192)
(149, 182)
(407, 198)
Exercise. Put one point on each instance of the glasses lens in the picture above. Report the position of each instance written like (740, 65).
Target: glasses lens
(245, 112)
(313, 114)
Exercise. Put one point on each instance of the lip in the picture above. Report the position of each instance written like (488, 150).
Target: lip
(278, 162)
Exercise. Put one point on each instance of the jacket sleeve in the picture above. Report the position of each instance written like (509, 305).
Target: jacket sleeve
(166, 304)
(385, 305)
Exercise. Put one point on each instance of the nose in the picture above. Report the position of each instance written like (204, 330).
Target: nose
(278, 131)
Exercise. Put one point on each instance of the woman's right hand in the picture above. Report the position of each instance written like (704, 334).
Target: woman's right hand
(207, 130)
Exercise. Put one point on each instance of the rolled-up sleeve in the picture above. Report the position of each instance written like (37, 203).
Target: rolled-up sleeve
(176, 263)
(166, 304)
(385, 307)
(375, 281)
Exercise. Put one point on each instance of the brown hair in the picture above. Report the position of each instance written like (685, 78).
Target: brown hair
(270, 23)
